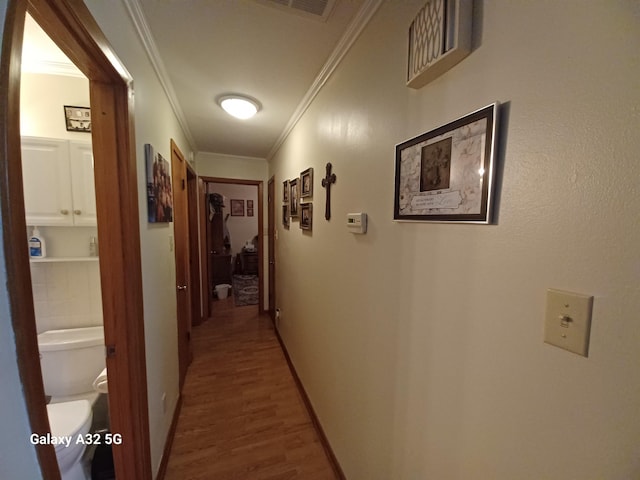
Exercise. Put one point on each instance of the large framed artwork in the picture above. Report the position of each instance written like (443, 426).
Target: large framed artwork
(159, 193)
(447, 174)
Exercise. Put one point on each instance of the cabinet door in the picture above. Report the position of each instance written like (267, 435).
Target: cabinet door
(47, 189)
(83, 187)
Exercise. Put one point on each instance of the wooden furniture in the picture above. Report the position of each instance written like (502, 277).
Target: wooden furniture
(249, 262)
(220, 269)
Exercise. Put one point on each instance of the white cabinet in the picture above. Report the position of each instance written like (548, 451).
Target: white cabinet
(58, 180)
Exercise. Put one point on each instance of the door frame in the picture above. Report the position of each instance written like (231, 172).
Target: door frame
(260, 185)
(197, 314)
(70, 25)
(271, 229)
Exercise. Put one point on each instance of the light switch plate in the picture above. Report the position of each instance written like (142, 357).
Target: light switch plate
(568, 321)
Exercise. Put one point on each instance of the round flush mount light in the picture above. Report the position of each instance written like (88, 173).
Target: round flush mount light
(239, 106)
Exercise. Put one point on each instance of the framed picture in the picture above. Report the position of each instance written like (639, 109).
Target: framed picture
(237, 208)
(159, 194)
(294, 197)
(285, 191)
(285, 216)
(306, 216)
(249, 203)
(77, 119)
(446, 175)
(249, 212)
(306, 183)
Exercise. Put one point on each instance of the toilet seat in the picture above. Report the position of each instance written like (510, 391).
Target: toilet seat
(69, 419)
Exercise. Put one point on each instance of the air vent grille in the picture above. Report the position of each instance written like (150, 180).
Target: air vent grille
(319, 9)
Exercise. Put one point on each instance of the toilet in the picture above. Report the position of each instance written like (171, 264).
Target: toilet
(71, 359)
(70, 420)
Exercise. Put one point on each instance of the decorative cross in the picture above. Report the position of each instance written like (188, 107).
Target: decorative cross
(326, 183)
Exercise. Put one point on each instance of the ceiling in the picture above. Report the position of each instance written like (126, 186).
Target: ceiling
(202, 49)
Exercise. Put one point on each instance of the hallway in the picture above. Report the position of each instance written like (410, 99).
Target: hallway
(242, 415)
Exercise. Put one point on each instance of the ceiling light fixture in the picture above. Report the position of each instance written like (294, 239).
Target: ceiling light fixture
(239, 106)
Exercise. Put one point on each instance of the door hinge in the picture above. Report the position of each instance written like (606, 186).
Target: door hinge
(110, 351)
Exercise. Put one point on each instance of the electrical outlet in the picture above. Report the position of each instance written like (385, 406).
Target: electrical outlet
(568, 321)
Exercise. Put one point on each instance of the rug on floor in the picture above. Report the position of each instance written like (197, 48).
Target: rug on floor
(245, 289)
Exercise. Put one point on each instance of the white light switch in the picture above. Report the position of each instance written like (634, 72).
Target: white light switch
(568, 321)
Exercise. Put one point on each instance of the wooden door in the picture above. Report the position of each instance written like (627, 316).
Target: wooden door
(204, 252)
(271, 221)
(194, 257)
(181, 245)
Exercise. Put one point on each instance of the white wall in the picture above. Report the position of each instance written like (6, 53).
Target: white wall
(42, 97)
(155, 123)
(242, 228)
(420, 345)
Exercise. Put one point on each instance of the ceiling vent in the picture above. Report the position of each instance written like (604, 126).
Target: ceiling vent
(318, 9)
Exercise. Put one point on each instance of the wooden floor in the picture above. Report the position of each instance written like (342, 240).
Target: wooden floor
(242, 416)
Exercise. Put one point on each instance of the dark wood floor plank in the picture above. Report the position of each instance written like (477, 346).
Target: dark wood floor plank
(242, 416)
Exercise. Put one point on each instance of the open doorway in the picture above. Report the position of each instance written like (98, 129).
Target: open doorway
(61, 218)
(234, 243)
(73, 29)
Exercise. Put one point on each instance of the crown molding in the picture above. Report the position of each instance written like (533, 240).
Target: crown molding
(144, 33)
(67, 69)
(350, 36)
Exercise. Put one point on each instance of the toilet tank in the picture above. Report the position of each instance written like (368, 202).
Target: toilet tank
(71, 359)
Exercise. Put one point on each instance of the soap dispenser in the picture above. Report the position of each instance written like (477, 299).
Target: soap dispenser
(37, 246)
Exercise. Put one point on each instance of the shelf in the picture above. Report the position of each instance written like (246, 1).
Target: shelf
(63, 259)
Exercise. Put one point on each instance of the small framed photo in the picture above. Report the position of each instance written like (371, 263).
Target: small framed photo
(77, 119)
(285, 216)
(237, 208)
(294, 197)
(306, 216)
(306, 183)
(447, 174)
(249, 212)
(285, 191)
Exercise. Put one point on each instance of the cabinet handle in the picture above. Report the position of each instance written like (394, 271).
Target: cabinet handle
(77, 212)
(64, 212)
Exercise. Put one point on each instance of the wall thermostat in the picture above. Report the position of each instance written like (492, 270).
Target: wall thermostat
(357, 222)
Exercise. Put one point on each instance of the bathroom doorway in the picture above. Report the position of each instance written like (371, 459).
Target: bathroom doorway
(61, 218)
(73, 29)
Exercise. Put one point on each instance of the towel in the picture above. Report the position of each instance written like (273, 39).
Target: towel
(100, 383)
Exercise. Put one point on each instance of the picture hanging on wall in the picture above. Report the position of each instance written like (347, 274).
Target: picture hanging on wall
(294, 197)
(306, 183)
(237, 208)
(306, 216)
(446, 175)
(285, 191)
(249, 208)
(159, 194)
(285, 216)
(77, 119)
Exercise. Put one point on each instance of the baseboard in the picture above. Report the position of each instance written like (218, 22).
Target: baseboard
(169, 443)
(337, 469)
